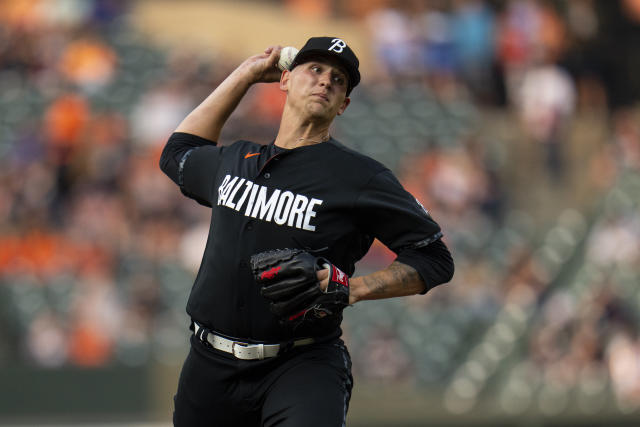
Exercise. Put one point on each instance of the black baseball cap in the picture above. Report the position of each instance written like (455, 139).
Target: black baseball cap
(333, 47)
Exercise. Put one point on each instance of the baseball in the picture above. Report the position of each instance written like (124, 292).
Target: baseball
(287, 54)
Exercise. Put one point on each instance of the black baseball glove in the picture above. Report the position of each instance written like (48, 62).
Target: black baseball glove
(287, 278)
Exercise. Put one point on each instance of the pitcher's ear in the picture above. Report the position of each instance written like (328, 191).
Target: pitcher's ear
(284, 80)
(344, 105)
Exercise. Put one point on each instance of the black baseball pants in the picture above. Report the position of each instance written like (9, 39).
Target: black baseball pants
(307, 386)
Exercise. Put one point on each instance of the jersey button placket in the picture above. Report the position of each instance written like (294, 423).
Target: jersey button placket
(267, 175)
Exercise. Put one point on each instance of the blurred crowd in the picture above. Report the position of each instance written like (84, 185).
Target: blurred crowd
(88, 226)
(98, 249)
(543, 59)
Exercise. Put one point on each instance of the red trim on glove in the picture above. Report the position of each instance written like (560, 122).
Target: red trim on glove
(271, 273)
(295, 316)
(340, 277)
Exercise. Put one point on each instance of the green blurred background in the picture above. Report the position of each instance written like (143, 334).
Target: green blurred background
(515, 122)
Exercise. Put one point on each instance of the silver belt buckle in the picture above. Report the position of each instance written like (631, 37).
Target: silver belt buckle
(248, 347)
(233, 347)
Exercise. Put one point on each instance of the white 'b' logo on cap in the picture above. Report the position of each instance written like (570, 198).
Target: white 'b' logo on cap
(338, 45)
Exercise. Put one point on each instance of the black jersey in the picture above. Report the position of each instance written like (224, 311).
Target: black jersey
(324, 198)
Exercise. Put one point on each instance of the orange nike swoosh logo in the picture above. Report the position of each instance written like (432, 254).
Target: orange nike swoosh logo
(251, 155)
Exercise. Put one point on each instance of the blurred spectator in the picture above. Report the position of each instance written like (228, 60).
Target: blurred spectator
(529, 32)
(65, 122)
(546, 100)
(435, 39)
(393, 40)
(89, 63)
(158, 112)
(447, 181)
(518, 28)
(615, 241)
(95, 321)
(474, 43)
(47, 341)
(623, 357)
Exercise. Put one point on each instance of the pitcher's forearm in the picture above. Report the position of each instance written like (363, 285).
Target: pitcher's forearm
(208, 118)
(395, 281)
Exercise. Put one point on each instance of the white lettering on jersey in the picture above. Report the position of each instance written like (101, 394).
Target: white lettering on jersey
(338, 45)
(265, 207)
(229, 202)
(281, 207)
(252, 198)
(222, 188)
(228, 189)
(310, 214)
(249, 185)
(297, 211)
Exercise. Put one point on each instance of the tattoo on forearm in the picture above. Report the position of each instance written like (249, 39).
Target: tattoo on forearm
(375, 284)
(403, 274)
(397, 280)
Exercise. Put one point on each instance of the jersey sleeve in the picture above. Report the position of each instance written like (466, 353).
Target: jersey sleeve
(192, 163)
(391, 214)
(433, 262)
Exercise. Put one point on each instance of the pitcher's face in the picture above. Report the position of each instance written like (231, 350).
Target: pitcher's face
(317, 88)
